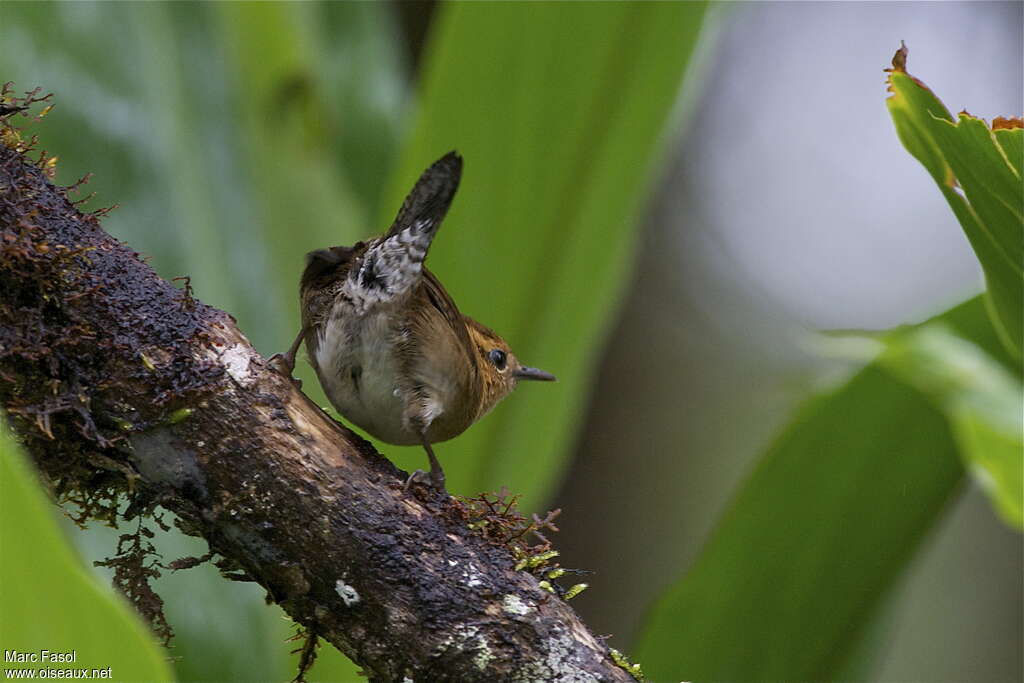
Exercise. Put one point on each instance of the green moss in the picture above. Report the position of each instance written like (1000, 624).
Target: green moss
(179, 415)
(622, 661)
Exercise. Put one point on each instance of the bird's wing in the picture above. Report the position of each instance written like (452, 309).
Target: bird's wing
(441, 389)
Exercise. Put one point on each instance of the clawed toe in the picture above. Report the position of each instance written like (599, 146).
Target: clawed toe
(284, 364)
(413, 478)
(280, 362)
(433, 479)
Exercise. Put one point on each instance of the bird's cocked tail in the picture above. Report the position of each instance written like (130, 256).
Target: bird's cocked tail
(428, 202)
(392, 265)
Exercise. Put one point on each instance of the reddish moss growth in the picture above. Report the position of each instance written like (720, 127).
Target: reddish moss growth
(135, 564)
(79, 318)
(80, 315)
(496, 517)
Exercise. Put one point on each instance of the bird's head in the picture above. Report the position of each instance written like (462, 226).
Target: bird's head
(500, 370)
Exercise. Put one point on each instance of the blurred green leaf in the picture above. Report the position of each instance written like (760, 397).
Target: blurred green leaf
(290, 133)
(978, 171)
(48, 601)
(812, 541)
(791, 579)
(560, 111)
(982, 400)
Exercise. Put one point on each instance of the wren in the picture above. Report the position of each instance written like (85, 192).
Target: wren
(389, 346)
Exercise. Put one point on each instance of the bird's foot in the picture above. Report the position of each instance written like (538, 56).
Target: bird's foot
(284, 364)
(429, 478)
(413, 478)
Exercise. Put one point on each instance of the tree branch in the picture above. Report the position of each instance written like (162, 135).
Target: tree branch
(122, 385)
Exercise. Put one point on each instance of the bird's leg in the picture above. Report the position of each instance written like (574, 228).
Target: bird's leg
(285, 362)
(436, 474)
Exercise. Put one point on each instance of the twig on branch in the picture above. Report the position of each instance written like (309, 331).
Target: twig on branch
(122, 385)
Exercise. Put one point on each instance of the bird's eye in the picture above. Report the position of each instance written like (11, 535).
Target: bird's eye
(497, 358)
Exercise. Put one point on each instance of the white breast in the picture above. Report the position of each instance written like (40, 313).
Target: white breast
(359, 375)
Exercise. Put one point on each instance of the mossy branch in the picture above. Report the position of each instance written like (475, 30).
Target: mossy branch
(121, 385)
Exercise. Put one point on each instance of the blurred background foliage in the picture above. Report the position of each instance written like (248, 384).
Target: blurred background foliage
(36, 604)
(661, 202)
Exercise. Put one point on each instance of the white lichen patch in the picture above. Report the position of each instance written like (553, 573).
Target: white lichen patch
(472, 576)
(348, 594)
(483, 656)
(559, 663)
(236, 361)
(467, 637)
(513, 604)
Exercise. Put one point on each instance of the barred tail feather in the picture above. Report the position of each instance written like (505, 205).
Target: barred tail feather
(392, 265)
(425, 207)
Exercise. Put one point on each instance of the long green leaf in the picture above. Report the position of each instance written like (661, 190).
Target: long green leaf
(812, 541)
(978, 170)
(560, 111)
(983, 403)
(791, 579)
(47, 599)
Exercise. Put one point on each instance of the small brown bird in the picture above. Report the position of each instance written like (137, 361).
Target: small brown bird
(390, 347)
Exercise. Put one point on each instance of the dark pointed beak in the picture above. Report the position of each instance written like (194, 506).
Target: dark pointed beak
(533, 373)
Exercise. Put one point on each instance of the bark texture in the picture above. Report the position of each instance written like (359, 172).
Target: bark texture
(121, 384)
